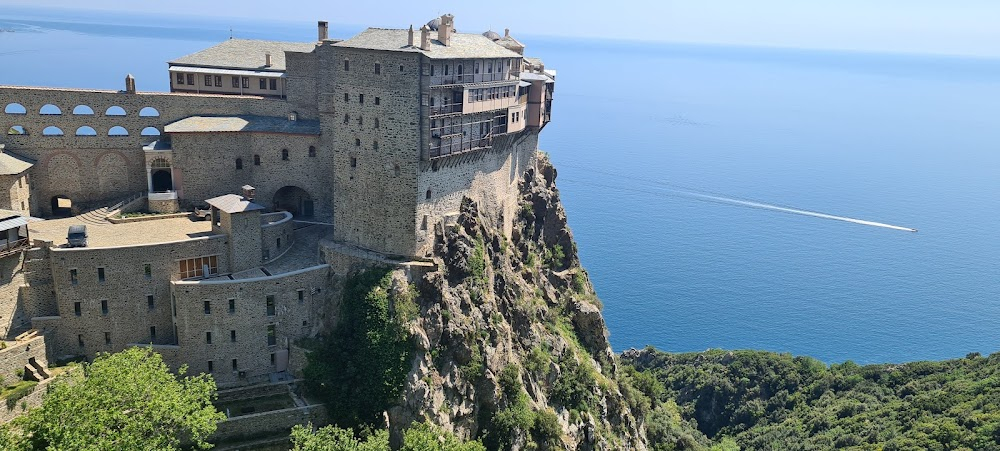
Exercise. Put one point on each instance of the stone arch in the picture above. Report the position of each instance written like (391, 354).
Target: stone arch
(52, 130)
(83, 110)
(117, 130)
(86, 131)
(62, 173)
(17, 130)
(294, 200)
(149, 112)
(62, 206)
(49, 110)
(15, 108)
(112, 173)
(115, 111)
(150, 131)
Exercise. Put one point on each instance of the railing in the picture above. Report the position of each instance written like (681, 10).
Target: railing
(457, 147)
(10, 247)
(125, 202)
(448, 80)
(446, 109)
(163, 195)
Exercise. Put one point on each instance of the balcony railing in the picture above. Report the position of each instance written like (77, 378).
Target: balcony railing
(8, 247)
(457, 147)
(446, 109)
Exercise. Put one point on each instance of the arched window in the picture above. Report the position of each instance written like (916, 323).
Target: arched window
(375, 144)
(117, 130)
(284, 154)
(376, 123)
(50, 110)
(357, 142)
(395, 170)
(150, 131)
(15, 108)
(312, 151)
(428, 196)
(149, 112)
(17, 130)
(239, 163)
(256, 160)
(460, 69)
(115, 111)
(86, 131)
(52, 131)
(83, 110)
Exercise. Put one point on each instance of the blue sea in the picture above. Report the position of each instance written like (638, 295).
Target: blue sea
(907, 140)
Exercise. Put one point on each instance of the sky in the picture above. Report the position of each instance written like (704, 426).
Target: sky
(959, 27)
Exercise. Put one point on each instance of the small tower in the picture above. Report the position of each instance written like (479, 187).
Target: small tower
(445, 29)
(425, 38)
(130, 84)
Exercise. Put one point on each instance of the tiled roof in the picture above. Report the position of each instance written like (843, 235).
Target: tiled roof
(244, 54)
(11, 164)
(248, 124)
(233, 203)
(463, 45)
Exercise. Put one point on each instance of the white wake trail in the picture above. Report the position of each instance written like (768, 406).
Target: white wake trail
(796, 211)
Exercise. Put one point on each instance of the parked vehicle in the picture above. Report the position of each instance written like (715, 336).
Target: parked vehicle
(77, 236)
(203, 212)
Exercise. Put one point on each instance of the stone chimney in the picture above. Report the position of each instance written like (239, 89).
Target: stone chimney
(324, 30)
(409, 37)
(249, 192)
(130, 84)
(444, 31)
(267, 59)
(506, 32)
(425, 38)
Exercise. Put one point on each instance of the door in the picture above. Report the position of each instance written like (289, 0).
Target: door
(307, 208)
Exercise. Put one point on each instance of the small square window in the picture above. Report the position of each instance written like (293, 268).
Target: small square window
(190, 79)
(218, 81)
(150, 302)
(400, 68)
(77, 309)
(208, 337)
(347, 97)
(301, 295)
(72, 277)
(354, 162)
(246, 82)
(147, 271)
(274, 84)
(270, 305)
(357, 142)
(79, 340)
(180, 79)
(272, 337)
(347, 65)
(208, 307)
(235, 366)
(272, 359)
(378, 68)
(107, 338)
(232, 306)
(312, 151)
(100, 275)
(152, 333)
(208, 80)
(232, 336)
(236, 82)
(256, 160)
(211, 366)
(104, 307)
(361, 98)
(378, 100)
(263, 83)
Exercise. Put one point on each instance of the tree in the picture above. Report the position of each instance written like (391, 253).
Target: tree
(125, 401)
(332, 438)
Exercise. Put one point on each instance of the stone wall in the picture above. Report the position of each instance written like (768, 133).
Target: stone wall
(17, 354)
(276, 237)
(13, 317)
(250, 317)
(244, 239)
(125, 288)
(18, 198)
(28, 402)
(269, 423)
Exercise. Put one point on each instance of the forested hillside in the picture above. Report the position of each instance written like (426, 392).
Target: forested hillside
(764, 400)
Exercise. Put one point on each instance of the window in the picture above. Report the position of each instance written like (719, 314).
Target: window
(263, 83)
(476, 67)
(347, 118)
(256, 160)
(272, 359)
(104, 307)
(270, 305)
(347, 65)
(357, 142)
(152, 333)
(361, 120)
(246, 82)
(107, 338)
(375, 144)
(208, 80)
(432, 69)
(77, 309)
(301, 295)
(190, 79)
(278, 243)
(272, 338)
(208, 338)
(100, 275)
(236, 81)
(354, 162)
(460, 69)
(150, 301)
(395, 170)
(232, 306)
(312, 151)
(378, 100)
(79, 340)
(274, 84)
(232, 336)
(199, 267)
(378, 69)
(428, 196)
(446, 67)
(489, 67)
(147, 271)
(72, 277)
(361, 98)
(180, 79)
(284, 154)
(376, 123)
(210, 366)
(208, 307)
(400, 68)
(239, 163)
(347, 97)
(218, 81)
(235, 366)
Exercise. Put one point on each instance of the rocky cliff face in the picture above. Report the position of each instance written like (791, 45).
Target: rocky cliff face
(510, 343)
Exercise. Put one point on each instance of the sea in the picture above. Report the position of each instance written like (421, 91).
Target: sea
(721, 196)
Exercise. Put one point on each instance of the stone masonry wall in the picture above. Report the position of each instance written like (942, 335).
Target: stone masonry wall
(250, 317)
(277, 237)
(13, 317)
(17, 198)
(125, 288)
(17, 355)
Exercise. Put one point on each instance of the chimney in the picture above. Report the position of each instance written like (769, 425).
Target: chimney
(324, 30)
(506, 32)
(425, 38)
(249, 192)
(267, 59)
(409, 40)
(130, 84)
(444, 31)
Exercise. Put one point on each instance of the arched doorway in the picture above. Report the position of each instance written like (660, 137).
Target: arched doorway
(295, 200)
(62, 206)
(162, 181)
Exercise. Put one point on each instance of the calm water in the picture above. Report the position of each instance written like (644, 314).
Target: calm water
(905, 140)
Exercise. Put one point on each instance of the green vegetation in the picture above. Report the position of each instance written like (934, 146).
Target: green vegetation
(13, 393)
(762, 400)
(517, 419)
(359, 370)
(124, 401)
(419, 437)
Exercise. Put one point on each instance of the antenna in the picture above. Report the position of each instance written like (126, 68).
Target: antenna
(230, 32)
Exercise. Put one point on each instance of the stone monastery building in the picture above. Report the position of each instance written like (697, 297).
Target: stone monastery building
(305, 160)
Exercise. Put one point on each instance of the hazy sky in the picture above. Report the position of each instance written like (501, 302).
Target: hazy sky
(968, 27)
